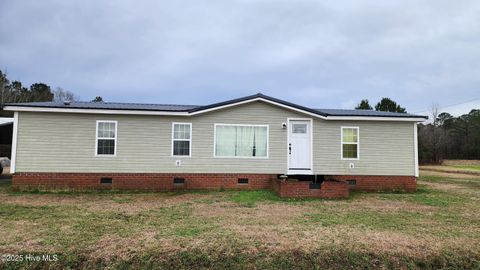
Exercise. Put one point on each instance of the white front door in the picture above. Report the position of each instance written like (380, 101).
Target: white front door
(299, 147)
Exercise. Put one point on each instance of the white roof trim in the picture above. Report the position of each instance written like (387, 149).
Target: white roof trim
(376, 118)
(146, 112)
(258, 99)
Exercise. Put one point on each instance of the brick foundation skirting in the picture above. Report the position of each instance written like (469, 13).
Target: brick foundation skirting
(141, 181)
(380, 182)
(301, 189)
(337, 187)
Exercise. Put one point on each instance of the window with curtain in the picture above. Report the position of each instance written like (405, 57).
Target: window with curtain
(106, 138)
(241, 141)
(350, 142)
(181, 139)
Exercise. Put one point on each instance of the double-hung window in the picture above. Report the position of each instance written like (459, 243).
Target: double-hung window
(350, 143)
(181, 139)
(241, 141)
(106, 142)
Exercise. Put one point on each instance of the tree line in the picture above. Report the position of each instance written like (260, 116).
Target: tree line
(385, 105)
(449, 137)
(445, 137)
(15, 92)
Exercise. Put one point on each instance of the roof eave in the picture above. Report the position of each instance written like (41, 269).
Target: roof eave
(377, 118)
(217, 106)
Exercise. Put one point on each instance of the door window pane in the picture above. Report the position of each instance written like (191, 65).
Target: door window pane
(299, 128)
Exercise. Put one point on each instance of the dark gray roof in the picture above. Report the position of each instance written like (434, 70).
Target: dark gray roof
(108, 106)
(197, 108)
(372, 113)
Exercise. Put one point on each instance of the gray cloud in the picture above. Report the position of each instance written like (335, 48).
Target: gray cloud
(314, 53)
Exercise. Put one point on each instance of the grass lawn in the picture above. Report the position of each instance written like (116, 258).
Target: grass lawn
(436, 227)
(457, 169)
(468, 167)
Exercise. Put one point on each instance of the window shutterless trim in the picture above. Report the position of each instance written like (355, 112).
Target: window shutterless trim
(182, 140)
(103, 138)
(343, 143)
(239, 125)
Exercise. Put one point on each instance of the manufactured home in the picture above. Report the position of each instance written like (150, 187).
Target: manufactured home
(254, 142)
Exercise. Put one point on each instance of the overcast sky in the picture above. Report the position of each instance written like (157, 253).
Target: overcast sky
(318, 54)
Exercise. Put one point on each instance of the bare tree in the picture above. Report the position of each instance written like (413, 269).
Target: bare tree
(61, 95)
(435, 134)
(3, 86)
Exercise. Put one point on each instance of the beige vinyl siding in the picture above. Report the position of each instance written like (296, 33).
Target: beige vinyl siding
(52, 142)
(65, 142)
(385, 148)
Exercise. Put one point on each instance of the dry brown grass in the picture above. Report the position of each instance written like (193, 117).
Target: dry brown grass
(440, 173)
(453, 162)
(452, 169)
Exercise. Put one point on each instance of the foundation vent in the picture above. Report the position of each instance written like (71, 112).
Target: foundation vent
(243, 181)
(106, 181)
(178, 181)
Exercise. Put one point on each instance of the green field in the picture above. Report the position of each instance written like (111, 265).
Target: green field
(436, 227)
(468, 167)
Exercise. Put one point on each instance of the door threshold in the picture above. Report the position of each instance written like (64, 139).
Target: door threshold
(297, 171)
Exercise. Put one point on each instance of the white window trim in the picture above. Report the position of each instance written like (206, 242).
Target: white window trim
(97, 138)
(185, 140)
(239, 125)
(357, 143)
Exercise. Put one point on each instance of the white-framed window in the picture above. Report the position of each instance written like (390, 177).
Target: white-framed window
(241, 141)
(350, 143)
(181, 139)
(106, 138)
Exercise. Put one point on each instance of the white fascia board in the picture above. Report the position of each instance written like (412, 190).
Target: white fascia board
(376, 118)
(258, 99)
(346, 118)
(94, 111)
